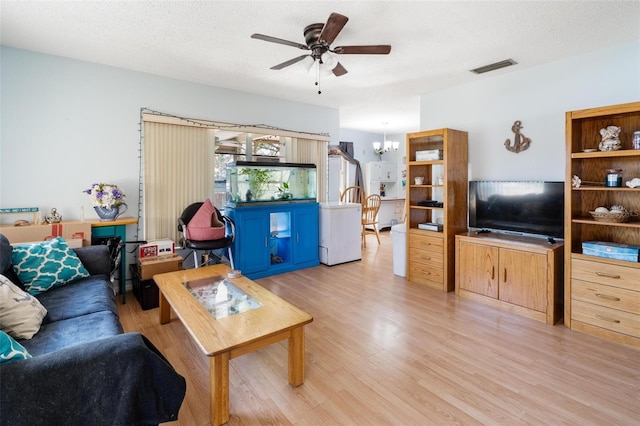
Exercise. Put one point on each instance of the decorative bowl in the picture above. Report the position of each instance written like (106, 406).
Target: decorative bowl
(613, 216)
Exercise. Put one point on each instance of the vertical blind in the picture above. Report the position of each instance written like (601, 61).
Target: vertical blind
(178, 162)
(177, 172)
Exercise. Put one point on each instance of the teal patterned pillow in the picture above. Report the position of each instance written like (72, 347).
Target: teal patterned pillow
(10, 350)
(45, 265)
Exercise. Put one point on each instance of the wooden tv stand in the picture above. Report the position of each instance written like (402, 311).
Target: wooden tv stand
(523, 275)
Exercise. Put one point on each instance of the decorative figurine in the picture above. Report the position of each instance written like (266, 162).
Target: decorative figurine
(575, 181)
(633, 183)
(610, 139)
(54, 217)
(520, 141)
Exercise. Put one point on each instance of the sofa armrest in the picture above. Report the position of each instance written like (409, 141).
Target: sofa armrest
(95, 259)
(120, 379)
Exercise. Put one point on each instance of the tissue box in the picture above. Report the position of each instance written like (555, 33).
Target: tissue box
(611, 250)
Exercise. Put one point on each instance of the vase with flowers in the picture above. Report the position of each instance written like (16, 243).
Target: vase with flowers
(108, 201)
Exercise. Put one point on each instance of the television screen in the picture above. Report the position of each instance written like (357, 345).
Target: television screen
(522, 207)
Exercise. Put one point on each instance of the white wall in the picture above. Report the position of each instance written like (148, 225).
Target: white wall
(363, 145)
(67, 124)
(539, 97)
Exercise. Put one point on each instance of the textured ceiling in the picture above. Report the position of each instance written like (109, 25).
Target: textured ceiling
(434, 44)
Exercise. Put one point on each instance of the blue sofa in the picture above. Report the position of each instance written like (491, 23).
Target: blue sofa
(85, 370)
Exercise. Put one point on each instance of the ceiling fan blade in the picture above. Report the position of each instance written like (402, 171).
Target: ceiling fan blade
(378, 49)
(280, 41)
(339, 70)
(332, 28)
(289, 62)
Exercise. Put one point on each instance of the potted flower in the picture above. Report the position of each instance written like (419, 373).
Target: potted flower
(108, 200)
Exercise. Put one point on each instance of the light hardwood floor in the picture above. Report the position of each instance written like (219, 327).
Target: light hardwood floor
(384, 351)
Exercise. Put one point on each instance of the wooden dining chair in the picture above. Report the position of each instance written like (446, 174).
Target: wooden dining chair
(352, 194)
(370, 210)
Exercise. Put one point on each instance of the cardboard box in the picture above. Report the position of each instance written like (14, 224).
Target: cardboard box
(150, 266)
(69, 230)
(611, 250)
(145, 291)
(162, 247)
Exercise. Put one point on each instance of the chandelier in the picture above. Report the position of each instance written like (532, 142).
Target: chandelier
(380, 148)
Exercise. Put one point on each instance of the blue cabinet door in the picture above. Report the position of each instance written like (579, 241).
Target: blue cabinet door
(305, 234)
(251, 252)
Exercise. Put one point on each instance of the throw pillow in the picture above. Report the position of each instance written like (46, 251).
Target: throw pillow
(45, 265)
(21, 314)
(204, 225)
(5, 254)
(10, 350)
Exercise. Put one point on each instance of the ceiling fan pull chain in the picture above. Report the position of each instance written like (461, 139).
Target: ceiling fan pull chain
(318, 76)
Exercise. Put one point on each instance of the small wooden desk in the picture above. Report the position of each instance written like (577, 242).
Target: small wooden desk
(115, 228)
(229, 337)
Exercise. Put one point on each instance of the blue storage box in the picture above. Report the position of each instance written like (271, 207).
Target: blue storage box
(611, 250)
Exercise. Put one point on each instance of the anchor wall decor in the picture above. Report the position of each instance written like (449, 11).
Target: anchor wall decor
(520, 141)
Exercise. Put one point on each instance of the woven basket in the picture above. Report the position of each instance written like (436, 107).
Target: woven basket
(615, 217)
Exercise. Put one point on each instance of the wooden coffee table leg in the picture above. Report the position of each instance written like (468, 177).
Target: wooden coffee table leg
(219, 372)
(296, 356)
(165, 309)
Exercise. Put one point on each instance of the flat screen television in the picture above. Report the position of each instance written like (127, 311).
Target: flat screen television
(534, 208)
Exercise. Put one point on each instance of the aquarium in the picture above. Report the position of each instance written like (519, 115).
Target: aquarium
(258, 183)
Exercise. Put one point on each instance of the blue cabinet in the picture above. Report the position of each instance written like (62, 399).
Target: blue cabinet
(275, 238)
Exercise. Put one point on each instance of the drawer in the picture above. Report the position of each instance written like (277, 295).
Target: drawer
(420, 272)
(431, 258)
(607, 318)
(604, 295)
(425, 242)
(605, 273)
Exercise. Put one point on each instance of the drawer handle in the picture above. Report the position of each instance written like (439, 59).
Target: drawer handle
(493, 272)
(605, 296)
(607, 275)
(615, 321)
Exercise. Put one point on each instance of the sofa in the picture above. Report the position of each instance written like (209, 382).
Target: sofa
(80, 368)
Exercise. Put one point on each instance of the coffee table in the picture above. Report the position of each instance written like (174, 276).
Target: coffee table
(229, 317)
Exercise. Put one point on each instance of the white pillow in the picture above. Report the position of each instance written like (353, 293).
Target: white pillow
(20, 313)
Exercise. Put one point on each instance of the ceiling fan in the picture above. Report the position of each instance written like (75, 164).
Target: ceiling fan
(318, 39)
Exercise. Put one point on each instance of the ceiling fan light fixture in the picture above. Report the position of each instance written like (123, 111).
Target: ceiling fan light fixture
(494, 66)
(329, 60)
(318, 39)
(307, 64)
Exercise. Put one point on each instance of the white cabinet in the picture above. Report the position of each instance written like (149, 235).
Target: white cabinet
(340, 227)
(383, 174)
(382, 171)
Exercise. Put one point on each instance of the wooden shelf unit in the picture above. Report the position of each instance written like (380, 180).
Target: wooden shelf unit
(430, 259)
(602, 296)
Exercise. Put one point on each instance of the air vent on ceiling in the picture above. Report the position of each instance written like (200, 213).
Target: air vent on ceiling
(494, 66)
